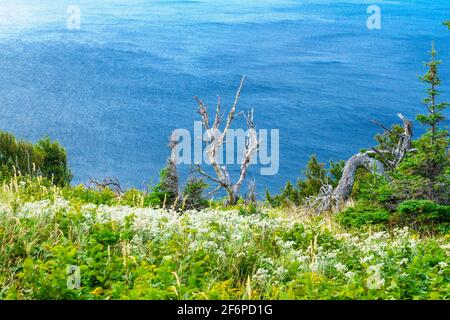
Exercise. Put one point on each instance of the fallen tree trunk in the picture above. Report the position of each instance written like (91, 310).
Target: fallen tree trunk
(360, 160)
(329, 198)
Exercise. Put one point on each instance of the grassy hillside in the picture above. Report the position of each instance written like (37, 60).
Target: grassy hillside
(131, 252)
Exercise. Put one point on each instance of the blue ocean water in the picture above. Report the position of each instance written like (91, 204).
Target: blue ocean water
(113, 91)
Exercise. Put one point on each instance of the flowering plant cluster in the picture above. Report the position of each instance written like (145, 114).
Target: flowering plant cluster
(125, 252)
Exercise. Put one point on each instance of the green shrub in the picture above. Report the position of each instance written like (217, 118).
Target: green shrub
(315, 176)
(371, 187)
(363, 214)
(84, 195)
(425, 210)
(133, 197)
(289, 195)
(424, 216)
(54, 165)
(250, 209)
(46, 158)
(18, 156)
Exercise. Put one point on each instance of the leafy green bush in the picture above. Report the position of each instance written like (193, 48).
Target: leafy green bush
(250, 209)
(315, 176)
(289, 195)
(425, 216)
(425, 210)
(54, 165)
(430, 162)
(133, 197)
(45, 158)
(84, 195)
(363, 214)
(370, 187)
(18, 156)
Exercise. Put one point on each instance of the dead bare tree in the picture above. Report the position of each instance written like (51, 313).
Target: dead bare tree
(216, 139)
(329, 198)
(112, 182)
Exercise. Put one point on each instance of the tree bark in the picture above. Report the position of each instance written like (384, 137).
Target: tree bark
(366, 160)
(360, 160)
(329, 198)
(216, 139)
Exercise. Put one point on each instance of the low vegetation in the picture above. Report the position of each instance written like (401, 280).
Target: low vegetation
(134, 252)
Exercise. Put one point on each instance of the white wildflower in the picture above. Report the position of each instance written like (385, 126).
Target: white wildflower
(261, 275)
(314, 267)
(446, 248)
(403, 261)
(350, 275)
(340, 267)
(374, 280)
(366, 259)
(442, 265)
(280, 272)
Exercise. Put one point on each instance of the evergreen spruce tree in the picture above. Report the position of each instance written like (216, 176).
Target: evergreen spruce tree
(193, 194)
(425, 173)
(316, 176)
(435, 110)
(435, 142)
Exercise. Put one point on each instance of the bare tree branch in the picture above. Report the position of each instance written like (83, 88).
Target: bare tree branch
(251, 147)
(384, 127)
(216, 140)
(233, 108)
(329, 197)
(218, 115)
(212, 192)
(382, 153)
(202, 172)
(202, 111)
(112, 182)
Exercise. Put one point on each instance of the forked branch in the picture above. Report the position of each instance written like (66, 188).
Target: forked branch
(216, 139)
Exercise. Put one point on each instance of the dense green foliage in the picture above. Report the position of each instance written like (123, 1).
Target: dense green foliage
(125, 252)
(433, 146)
(315, 176)
(165, 192)
(54, 165)
(425, 173)
(44, 158)
(193, 194)
(363, 214)
(424, 215)
(416, 193)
